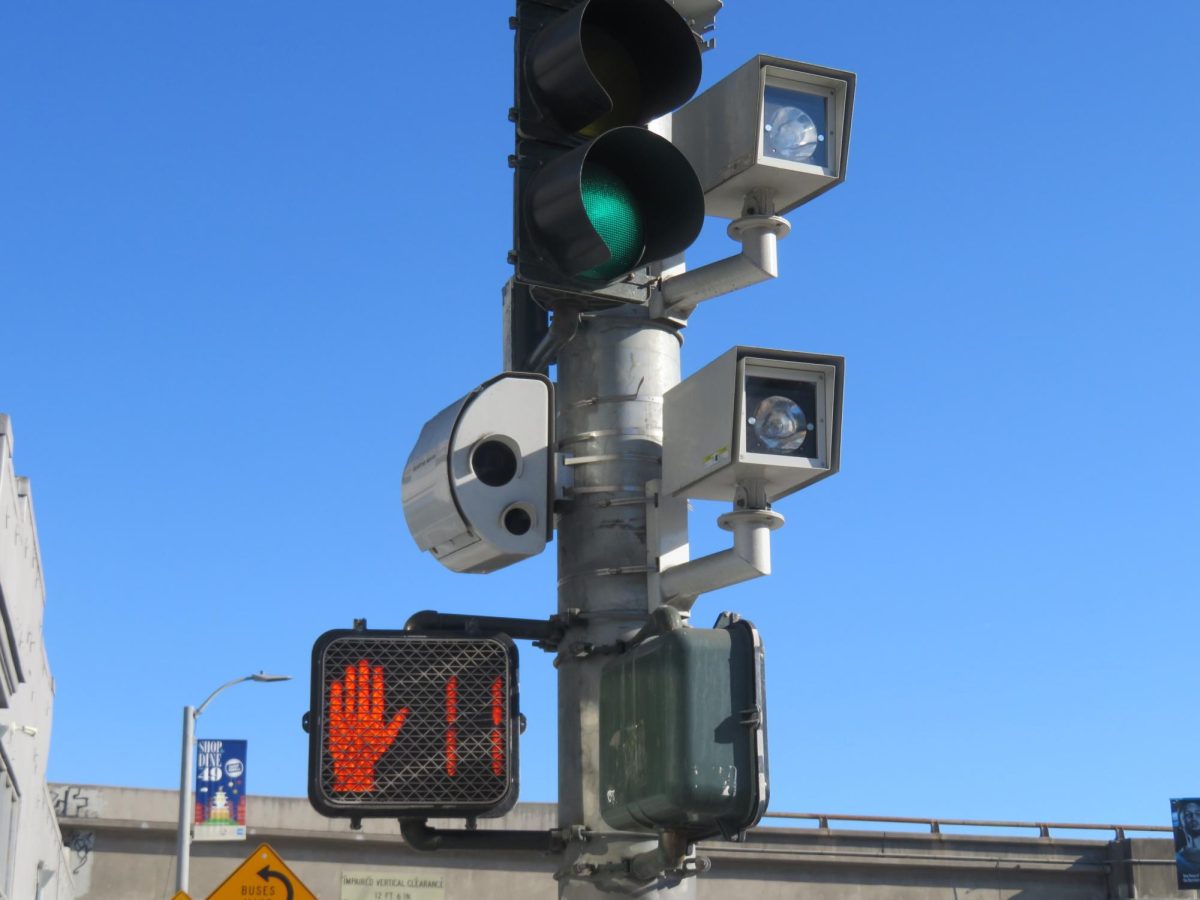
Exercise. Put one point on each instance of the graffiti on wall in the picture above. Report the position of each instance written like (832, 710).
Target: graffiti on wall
(74, 802)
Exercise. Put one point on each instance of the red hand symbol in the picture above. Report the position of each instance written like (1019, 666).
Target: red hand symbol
(358, 734)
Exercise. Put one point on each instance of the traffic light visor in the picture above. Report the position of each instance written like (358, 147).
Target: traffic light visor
(623, 200)
(608, 63)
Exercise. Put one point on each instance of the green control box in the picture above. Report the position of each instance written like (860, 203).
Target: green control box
(683, 742)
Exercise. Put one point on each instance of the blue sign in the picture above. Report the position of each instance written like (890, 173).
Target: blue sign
(1185, 820)
(220, 796)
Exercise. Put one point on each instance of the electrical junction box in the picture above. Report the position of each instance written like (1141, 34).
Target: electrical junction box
(683, 742)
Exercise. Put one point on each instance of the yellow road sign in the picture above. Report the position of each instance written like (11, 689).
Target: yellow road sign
(263, 875)
(180, 895)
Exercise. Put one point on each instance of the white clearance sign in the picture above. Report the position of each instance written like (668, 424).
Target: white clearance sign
(394, 884)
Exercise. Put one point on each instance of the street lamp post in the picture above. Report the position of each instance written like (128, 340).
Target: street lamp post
(190, 714)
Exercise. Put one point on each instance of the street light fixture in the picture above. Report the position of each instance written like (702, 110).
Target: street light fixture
(190, 714)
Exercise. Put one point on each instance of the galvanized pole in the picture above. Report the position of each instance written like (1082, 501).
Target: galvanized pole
(186, 815)
(611, 379)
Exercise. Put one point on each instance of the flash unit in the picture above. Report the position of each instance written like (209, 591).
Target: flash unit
(753, 415)
(774, 127)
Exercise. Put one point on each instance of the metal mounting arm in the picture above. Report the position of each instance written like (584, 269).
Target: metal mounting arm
(673, 860)
(545, 633)
(749, 557)
(420, 836)
(758, 235)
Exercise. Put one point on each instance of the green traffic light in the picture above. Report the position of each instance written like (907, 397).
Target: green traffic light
(612, 211)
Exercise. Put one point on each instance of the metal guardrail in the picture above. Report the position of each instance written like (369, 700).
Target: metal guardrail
(935, 825)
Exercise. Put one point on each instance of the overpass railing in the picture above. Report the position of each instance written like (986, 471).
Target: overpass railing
(1043, 829)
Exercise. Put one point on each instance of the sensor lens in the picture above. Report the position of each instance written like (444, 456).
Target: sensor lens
(794, 126)
(781, 417)
(792, 134)
(518, 521)
(780, 424)
(494, 463)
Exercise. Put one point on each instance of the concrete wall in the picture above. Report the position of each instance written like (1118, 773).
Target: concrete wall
(882, 865)
(34, 860)
(131, 836)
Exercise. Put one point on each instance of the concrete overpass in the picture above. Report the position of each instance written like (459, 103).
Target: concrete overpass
(122, 845)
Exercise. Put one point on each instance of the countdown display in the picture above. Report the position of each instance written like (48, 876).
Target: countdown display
(413, 724)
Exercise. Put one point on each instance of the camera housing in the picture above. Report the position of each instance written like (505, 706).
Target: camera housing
(753, 416)
(477, 485)
(774, 126)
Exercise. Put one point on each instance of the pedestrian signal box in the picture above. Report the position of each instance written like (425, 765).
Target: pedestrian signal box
(683, 733)
(412, 724)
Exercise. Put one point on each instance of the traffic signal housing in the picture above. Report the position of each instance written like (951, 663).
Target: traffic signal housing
(413, 724)
(683, 733)
(598, 197)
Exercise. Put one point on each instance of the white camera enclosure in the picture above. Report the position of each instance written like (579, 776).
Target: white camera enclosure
(774, 127)
(477, 485)
(753, 415)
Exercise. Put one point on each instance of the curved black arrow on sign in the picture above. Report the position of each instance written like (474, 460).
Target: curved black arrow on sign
(266, 873)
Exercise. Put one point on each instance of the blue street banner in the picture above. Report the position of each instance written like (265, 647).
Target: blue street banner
(220, 791)
(1185, 820)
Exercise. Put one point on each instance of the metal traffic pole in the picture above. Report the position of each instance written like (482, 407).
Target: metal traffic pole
(611, 379)
(186, 816)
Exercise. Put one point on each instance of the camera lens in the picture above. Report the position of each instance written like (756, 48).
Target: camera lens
(494, 463)
(780, 424)
(781, 417)
(518, 521)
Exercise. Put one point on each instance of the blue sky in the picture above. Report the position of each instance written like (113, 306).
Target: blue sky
(246, 250)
